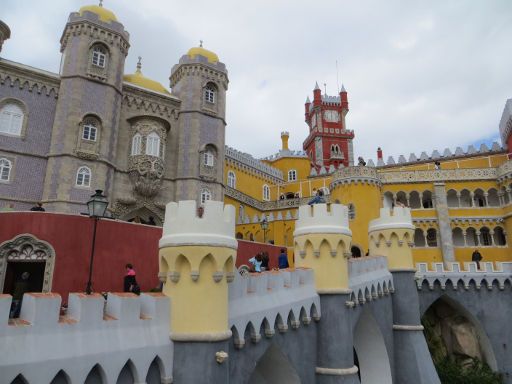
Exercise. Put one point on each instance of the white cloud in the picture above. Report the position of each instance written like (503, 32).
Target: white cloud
(420, 76)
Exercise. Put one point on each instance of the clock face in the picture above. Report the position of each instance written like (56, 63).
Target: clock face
(332, 116)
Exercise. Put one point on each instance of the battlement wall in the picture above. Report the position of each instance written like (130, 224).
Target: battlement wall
(124, 328)
(465, 276)
(369, 279)
(183, 226)
(275, 299)
(317, 218)
(398, 217)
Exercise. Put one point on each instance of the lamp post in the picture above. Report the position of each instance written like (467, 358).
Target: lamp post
(264, 226)
(96, 207)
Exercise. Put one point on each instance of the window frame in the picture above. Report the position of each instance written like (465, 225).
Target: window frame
(210, 93)
(266, 192)
(5, 165)
(136, 148)
(209, 158)
(153, 142)
(205, 195)
(91, 127)
(19, 113)
(294, 173)
(99, 56)
(83, 177)
(231, 179)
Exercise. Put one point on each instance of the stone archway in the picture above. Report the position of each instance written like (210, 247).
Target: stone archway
(274, 367)
(27, 248)
(452, 331)
(373, 358)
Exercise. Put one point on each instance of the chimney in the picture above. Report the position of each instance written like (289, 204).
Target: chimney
(284, 140)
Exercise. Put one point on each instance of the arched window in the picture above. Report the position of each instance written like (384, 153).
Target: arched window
(153, 145)
(83, 177)
(401, 198)
(485, 235)
(458, 237)
(493, 198)
(431, 237)
(209, 158)
(465, 198)
(11, 119)
(5, 169)
(205, 195)
(266, 192)
(99, 56)
(452, 199)
(479, 198)
(136, 144)
(419, 238)
(499, 236)
(427, 200)
(231, 179)
(414, 200)
(292, 175)
(90, 129)
(471, 237)
(210, 92)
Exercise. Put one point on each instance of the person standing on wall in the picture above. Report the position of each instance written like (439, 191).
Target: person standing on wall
(283, 259)
(476, 257)
(130, 283)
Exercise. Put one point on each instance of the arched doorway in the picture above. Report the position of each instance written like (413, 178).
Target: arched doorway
(26, 255)
(274, 367)
(356, 251)
(454, 334)
(372, 355)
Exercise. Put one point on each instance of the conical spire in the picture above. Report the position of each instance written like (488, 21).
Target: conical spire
(343, 88)
(316, 86)
(307, 100)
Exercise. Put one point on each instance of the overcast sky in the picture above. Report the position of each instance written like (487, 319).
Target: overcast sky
(420, 75)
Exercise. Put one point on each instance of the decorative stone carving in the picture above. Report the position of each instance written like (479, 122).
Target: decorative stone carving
(28, 248)
(146, 174)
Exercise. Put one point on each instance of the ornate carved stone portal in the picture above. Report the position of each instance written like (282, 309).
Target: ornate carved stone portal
(27, 248)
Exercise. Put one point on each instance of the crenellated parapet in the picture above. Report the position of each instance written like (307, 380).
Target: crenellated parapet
(356, 174)
(369, 279)
(392, 235)
(197, 259)
(94, 331)
(322, 242)
(274, 301)
(458, 277)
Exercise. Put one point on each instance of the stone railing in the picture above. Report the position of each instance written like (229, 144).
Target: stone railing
(452, 275)
(369, 279)
(269, 205)
(438, 175)
(355, 174)
(251, 162)
(505, 171)
(274, 299)
(93, 332)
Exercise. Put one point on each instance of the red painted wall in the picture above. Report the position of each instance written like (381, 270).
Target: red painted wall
(117, 243)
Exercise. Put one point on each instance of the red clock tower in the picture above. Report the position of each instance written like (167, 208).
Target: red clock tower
(329, 142)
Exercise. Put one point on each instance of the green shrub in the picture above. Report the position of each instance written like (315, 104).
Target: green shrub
(474, 372)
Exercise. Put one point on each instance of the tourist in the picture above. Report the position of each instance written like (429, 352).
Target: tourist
(437, 165)
(264, 261)
(317, 199)
(283, 259)
(38, 208)
(256, 263)
(361, 162)
(21, 286)
(476, 257)
(130, 283)
(200, 211)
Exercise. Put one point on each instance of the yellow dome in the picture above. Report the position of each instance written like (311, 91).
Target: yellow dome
(212, 57)
(142, 81)
(103, 13)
